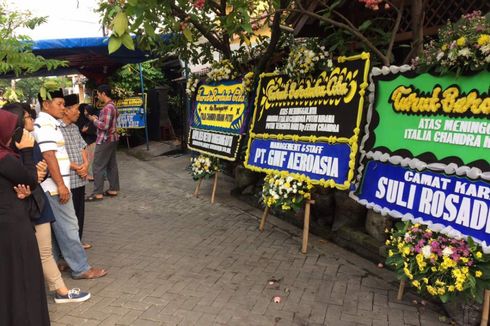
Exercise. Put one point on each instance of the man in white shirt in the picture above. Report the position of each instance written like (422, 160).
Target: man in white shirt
(57, 186)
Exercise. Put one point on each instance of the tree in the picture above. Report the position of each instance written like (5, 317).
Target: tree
(198, 28)
(15, 49)
(330, 16)
(29, 88)
(127, 77)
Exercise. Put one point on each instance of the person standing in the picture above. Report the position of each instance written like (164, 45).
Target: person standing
(52, 144)
(76, 148)
(42, 216)
(22, 293)
(106, 147)
(89, 134)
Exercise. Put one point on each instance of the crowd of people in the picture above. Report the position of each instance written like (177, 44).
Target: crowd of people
(46, 161)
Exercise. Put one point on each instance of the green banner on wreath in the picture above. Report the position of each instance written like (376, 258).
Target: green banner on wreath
(440, 117)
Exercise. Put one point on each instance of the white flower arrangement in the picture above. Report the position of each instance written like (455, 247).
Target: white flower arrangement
(222, 70)
(305, 59)
(285, 192)
(463, 46)
(204, 166)
(191, 85)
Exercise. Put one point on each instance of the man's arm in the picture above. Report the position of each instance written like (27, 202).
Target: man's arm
(54, 171)
(103, 122)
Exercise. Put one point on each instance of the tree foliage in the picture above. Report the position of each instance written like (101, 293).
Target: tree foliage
(15, 48)
(197, 28)
(126, 80)
(201, 27)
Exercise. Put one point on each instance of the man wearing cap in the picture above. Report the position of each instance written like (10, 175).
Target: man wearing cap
(75, 146)
(47, 132)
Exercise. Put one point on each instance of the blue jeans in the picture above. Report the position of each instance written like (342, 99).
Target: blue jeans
(66, 232)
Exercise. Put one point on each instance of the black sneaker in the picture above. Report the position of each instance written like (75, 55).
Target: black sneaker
(74, 295)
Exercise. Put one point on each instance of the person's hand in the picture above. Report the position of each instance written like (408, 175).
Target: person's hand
(22, 191)
(27, 141)
(92, 117)
(74, 166)
(64, 194)
(82, 171)
(42, 170)
(84, 129)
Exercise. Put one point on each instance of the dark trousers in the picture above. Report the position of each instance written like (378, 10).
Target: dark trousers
(105, 160)
(79, 205)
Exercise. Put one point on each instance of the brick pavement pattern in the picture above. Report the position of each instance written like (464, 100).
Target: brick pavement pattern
(177, 260)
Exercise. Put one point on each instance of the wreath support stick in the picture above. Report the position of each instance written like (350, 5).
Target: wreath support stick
(401, 289)
(486, 308)
(214, 187)
(306, 226)
(263, 219)
(196, 192)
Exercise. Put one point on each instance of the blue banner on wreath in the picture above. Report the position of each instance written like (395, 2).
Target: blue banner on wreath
(318, 161)
(454, 205)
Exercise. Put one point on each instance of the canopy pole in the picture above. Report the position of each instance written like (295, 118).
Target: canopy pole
(142, 83)
(187, 104)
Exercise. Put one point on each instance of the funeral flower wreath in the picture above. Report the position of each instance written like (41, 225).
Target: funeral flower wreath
(436, 264)
(285, 192)
(204, 167)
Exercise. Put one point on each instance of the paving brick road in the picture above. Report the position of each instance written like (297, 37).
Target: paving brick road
(177, 260)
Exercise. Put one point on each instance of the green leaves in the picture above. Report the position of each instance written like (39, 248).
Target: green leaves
(127, 41)
(120, 24)
(444, 298)
(15, 48)
(188, 34)
(365, 25)
(114, 44)
(43, 92)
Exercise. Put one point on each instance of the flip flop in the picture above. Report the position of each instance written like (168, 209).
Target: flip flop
(91, 274)
(108, 194)
(86, 246)
(93, 198)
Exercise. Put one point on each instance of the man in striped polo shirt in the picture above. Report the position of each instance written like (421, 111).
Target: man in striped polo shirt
(47, 133)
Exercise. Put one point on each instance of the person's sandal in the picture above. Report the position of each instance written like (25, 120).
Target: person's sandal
(93, 198)
(63, 266)
(108, 194)
(91, 274)
(86, 246)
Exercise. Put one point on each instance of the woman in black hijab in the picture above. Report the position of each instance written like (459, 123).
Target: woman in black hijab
(22, 293)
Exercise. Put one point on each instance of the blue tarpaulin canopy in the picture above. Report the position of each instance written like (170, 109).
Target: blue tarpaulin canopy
(88, 56)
